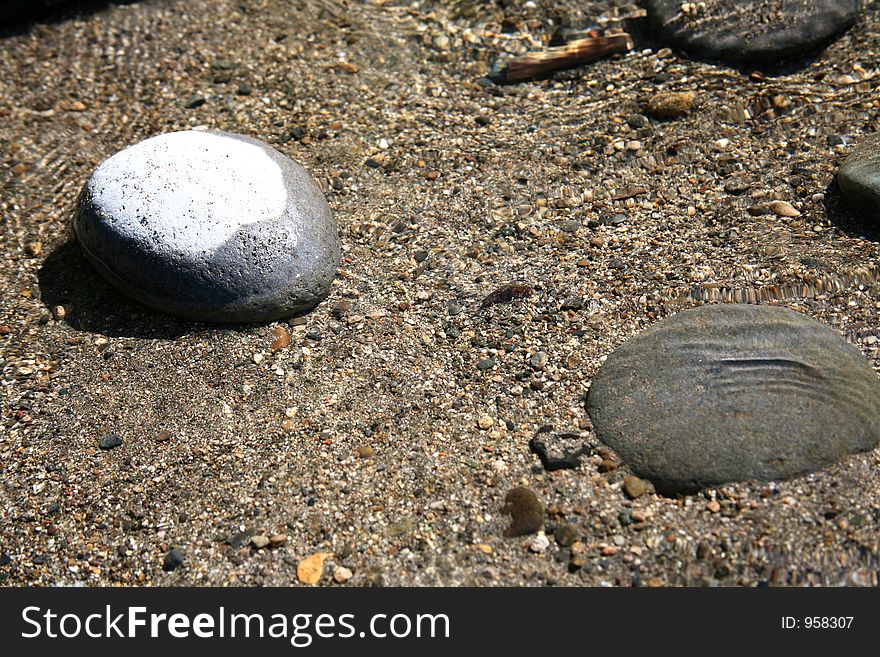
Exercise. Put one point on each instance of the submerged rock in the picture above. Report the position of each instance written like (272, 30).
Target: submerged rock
(211, 226)
(727, 393)
(859, 178)
(761, 31)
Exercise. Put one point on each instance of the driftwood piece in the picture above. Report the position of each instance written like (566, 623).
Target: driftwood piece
(575, 53)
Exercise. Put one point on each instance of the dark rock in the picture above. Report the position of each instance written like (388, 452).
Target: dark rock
(172, 560)
(572, 303)
(526, 512)
(727, 393)
(195, 101)
(210, 226)
(736, 186)
(859, 178)
(508, 293)
(109, 441)
(558, 451)
(5, 559)
(757, 31)
(566, 534)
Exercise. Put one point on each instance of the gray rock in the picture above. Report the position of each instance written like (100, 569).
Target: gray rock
(760, 31)
(859, 178)
(210, 226)
(173, 559)
(728, 393)
(109, 441)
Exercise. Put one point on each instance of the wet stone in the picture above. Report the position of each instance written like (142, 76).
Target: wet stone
(727, 393)
(210, 226)
(859, 178)
(757, 31)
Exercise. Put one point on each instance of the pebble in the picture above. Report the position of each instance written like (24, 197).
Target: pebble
(211, 226)
(784, 209)
(277, 540)
(634, 487)
(172, 560)
(194, 101)
(109, 441)
(341, 574)
(566, 534)
(485, 421)
(281, 338)
(558, 450)
(311, 569)
(526, 511)
(766, 32)
(163, 436)
(508, 293)
(538, 360)
(365, 452)
(859, 178)
(259, 541)
(779, 395)
(578, 558)
(539, 544)
(670, 104)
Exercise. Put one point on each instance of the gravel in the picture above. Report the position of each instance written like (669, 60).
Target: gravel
(272, 448)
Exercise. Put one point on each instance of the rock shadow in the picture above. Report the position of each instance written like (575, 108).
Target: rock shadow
(846, 217)
(18, 16)
(91, 304)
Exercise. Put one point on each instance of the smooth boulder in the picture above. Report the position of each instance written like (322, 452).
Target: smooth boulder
(210, 226)
(730, 392)
(859, 178)
(756, 32)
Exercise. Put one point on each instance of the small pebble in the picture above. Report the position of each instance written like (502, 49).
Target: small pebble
(259, 541)
(634, 487)
(109, 441)
(341, 575)
(670, 104)
(784, 209)
(311, 569)
(566, 534)
(365, 452)
(281, 338)
(539, 544)
(526, 511)
(172, 560)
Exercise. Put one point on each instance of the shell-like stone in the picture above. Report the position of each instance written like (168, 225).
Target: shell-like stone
(731, 392)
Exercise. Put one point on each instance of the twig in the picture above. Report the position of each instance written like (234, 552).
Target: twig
(575, 53)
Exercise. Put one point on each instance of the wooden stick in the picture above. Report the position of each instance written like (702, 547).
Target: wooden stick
(575, 53)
